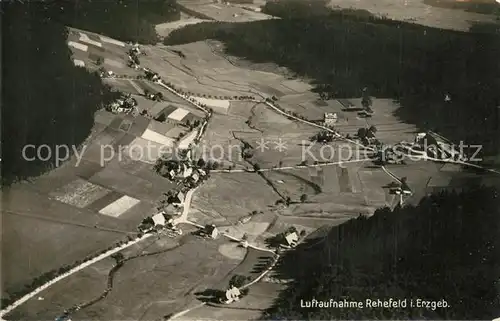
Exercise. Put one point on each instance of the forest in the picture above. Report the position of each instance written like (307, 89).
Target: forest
(46, 99)
(446, 248)
(126, 20)
(345, 51)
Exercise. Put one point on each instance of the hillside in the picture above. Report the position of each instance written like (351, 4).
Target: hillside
(342, 52)
(446, 248)
(47, 100)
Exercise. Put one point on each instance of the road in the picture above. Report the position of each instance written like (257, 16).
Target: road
(69, 273)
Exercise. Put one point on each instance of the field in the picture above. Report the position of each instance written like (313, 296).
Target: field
(165, 28)
(222, 12)
(418, 12)
(228, 197)
(154, 275)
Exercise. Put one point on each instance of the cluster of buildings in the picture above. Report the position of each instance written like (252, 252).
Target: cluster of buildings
(133, 59)
(184, 171)
(126, 104)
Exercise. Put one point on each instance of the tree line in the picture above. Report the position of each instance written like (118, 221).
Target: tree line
(345, 51)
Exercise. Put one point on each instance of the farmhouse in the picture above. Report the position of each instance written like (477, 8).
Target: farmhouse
(291, 238)
(195, 177)
(178, 199)
(232, 294)
(159, 219)
(188, 171)
(211, 231)
(330, 119)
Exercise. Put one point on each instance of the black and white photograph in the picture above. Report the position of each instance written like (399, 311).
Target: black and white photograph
(237, 160)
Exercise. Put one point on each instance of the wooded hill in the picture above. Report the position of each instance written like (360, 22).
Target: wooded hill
(344, 51)
(46, 99)
(126, 20)
(446, 248)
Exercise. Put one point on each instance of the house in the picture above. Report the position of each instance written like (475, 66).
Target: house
(187, 171)
(330, 119)
(405, 188)
(195, 177)
(211, 231)
(171, 209)
(178, 199)
(232, 294)
(159, 219)
(162, 219)
(291, 239)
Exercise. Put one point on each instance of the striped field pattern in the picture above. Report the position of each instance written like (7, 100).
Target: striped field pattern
(85, 39)
(83, 194)
(79, 193)
(78, 46)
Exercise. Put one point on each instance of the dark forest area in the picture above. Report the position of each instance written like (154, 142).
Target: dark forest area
(126, 20)
(48, 100)
(345, 51)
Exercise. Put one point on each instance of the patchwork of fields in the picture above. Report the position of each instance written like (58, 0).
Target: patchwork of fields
(99, 197)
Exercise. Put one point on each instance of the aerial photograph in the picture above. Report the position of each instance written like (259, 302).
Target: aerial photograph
(240, 160)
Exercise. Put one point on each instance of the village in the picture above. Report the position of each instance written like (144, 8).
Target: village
(228, 213)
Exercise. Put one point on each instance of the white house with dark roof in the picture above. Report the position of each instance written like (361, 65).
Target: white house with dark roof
(195, 177)
(211, 231)
(291, 239)
(330, 119)
(159, 219)
(178, 199)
